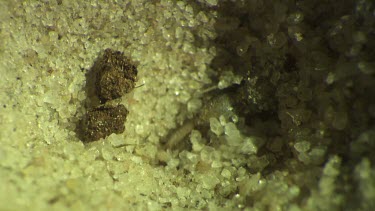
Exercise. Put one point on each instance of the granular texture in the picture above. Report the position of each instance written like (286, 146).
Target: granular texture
(116, 76)
(112, 76)
(102, 121)
(281, 94)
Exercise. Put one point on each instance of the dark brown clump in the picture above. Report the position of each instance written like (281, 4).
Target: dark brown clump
(112, 76)
(102, 121)
(115, 76)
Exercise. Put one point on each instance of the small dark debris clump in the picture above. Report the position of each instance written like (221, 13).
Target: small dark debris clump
(112, 76)
(116, 76)
(102, 121)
